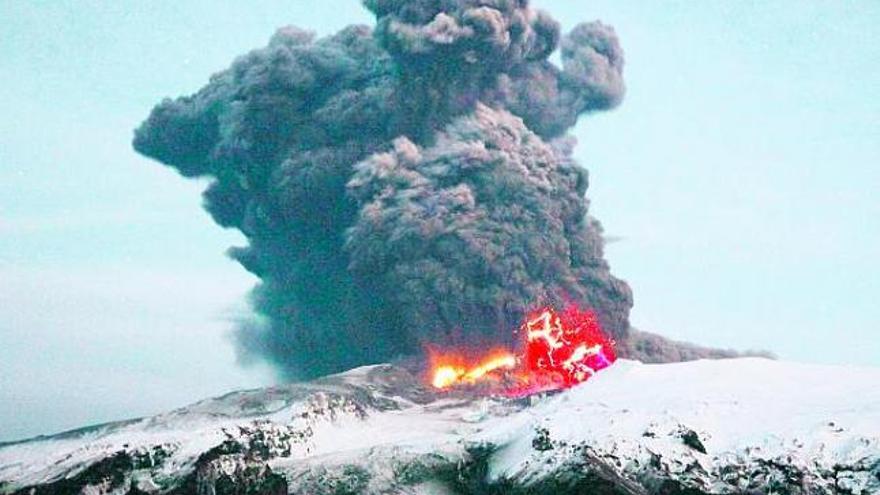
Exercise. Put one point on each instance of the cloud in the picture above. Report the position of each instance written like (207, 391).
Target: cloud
(403, 185)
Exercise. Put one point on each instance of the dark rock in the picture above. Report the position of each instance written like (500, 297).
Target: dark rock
(112, 471)
(692, 440)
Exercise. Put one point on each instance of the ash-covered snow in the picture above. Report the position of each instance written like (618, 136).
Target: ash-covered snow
(730, 426)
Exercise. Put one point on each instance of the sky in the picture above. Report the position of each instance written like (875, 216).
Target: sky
(740, 175)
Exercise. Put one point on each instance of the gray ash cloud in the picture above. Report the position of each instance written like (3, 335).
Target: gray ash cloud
(403, 185)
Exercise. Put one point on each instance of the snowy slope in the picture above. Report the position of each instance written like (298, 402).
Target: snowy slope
(730, 426)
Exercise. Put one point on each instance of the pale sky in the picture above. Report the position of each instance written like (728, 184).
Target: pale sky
(741, 172)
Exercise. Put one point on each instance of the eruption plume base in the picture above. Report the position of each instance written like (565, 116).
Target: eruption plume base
(560, 350)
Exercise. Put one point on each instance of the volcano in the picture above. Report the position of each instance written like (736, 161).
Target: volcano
(701, 427)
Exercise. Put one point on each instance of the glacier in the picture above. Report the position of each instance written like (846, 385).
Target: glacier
(746, 425)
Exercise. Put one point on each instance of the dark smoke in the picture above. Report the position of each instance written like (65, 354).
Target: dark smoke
(405, 185)
(652, 348)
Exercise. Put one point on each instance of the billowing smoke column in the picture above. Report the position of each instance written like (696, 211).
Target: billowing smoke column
(405, 185)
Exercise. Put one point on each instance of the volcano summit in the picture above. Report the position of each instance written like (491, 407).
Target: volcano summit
(696, 428)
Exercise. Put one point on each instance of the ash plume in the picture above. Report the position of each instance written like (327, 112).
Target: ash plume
(652, 348)
(404, 185)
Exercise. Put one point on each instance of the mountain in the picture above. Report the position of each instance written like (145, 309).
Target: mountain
(746, 425)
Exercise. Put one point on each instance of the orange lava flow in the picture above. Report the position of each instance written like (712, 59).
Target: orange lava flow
(559, 349)
(455, 372)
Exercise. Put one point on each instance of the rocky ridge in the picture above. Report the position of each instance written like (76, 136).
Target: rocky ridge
(729, 426)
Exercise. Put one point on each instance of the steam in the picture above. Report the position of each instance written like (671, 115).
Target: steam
(404, 185)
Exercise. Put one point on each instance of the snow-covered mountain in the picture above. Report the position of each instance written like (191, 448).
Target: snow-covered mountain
(730, 426)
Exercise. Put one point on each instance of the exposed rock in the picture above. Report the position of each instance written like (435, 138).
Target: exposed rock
(707, 427)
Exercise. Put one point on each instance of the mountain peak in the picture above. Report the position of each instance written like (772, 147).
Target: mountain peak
(698, 427)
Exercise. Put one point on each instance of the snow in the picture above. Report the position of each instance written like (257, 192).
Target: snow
(746, 407)
(742, 411)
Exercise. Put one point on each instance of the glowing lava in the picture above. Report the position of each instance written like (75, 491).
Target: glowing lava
(559, 350)
(450, 370)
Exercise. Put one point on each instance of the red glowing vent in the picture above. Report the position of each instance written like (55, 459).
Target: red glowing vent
(559, 350)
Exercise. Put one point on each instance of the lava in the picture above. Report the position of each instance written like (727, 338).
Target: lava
(559, 349)
(452, 369)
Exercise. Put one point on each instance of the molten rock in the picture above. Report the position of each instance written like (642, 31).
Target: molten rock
(559, 350)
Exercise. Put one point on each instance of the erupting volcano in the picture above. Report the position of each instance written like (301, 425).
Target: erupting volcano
(399, 181)
(559, 350)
